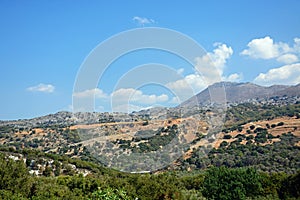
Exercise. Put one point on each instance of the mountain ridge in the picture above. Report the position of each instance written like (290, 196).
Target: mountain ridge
(234, 92)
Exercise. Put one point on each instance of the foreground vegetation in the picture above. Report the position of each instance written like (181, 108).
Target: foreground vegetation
(213, 183)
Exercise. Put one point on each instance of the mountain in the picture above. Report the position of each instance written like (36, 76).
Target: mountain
(290, 91)
(229, 92)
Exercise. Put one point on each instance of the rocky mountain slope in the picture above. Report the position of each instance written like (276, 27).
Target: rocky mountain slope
(241, 92)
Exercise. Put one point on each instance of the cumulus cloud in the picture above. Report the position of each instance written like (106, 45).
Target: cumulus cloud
(122, 100)
(287, 74)
(287, 58)
(126, 95)
(142, 20)
(296, 46)
(96, 92)
(220, 55)
(194, 83)
(233, 77)
(211, 67)
(130, 99)
(266, 48)
(187, 86)
(123, 95)
(44, 88)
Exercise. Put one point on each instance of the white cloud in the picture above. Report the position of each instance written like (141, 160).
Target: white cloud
(188, 86)
(128, 108)
(220, 55)
(211, 66)
(266, 48)
(233, 77)
(69, 108)
(287, 58)
(97, 93)
(194, 83)
(126, 95)
(175, 100)
(296, 46)
(287, 74)
(122, 100)
(45, 88)
(180, 71)
(142, 20)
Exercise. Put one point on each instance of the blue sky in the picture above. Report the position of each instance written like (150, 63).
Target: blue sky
(43, 44)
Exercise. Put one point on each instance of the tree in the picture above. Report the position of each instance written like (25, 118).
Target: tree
(224, 144)
(14, 176)
(227, 137)
(240, 128)
(280, 124)
(231, 184)
(290, 187)
(48, 171)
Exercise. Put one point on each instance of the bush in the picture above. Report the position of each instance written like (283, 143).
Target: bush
(227, 137)
(250, 137)
(224, 144)
(240, 128)
(280, 124)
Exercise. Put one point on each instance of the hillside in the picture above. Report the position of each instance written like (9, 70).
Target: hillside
(60, 156)
(144, 133)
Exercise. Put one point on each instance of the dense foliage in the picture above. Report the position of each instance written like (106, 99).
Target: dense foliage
(215, 183)
(152, 140)
(280, 156)
(247, 112)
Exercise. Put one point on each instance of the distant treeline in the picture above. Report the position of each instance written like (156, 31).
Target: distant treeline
(248, 112)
